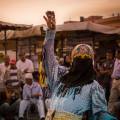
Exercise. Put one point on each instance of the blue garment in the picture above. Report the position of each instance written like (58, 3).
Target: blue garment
(91, 96)
(29, 90)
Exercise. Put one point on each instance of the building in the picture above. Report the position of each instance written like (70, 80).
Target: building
(113, 21)
(101, 42)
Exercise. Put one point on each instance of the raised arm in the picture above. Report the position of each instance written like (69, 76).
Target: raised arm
(49, 60)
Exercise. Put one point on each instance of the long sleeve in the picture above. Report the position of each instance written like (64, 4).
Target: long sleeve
(49, 60)
(99, 104)
(98, 98)
(31, 67)
(40, 92)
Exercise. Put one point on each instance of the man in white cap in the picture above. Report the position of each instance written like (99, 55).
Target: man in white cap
(32, 93)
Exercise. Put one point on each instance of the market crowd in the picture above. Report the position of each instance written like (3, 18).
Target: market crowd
(72, 83)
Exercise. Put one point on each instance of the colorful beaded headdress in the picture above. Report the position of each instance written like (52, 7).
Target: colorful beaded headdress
(83, 51)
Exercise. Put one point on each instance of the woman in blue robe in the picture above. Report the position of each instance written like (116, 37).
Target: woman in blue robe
(76, 95)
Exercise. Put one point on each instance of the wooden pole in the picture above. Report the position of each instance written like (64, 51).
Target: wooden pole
(16, 48)
(5, 43)
(30, 47)
(35, 48)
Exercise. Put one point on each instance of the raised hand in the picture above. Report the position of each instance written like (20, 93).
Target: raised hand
(50, 20)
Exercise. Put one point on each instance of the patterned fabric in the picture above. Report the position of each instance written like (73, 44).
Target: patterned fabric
(80, 103)
(52, 68)
(83, 50)
(91, 97)
(62, 116)
(66, 116)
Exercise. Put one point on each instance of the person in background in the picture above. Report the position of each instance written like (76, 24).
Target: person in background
(36, 76)
(42, 75)
(98, 68)
(32, 93)
(67, 61)
(61, 61)
(1, 57)
(35, 61)
(75, 93)
(24, 65)
(13, 100)
(114, 100)
(4, 106)
(11, 96)
(105, 72)
(13, 78)
(8, 106)
(4, 67)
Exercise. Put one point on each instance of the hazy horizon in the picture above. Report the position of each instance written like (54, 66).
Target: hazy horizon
(32, 11)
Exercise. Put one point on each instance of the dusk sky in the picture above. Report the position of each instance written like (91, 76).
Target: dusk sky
(32, 11)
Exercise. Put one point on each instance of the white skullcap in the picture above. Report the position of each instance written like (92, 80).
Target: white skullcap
(28, 76)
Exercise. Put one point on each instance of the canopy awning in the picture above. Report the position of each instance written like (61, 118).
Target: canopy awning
(12, 26)
(31, 32)
(79, 26)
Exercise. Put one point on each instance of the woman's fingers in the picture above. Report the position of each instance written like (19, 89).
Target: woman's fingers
(47, 21)
(50, 19)
(45, 18)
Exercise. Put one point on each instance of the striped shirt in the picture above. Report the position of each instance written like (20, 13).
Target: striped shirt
(13, 78)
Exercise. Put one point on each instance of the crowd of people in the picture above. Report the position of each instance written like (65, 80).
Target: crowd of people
(19, 87)
(78, 87)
